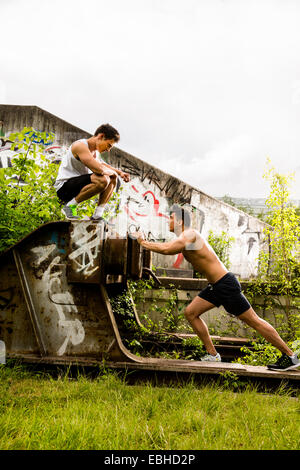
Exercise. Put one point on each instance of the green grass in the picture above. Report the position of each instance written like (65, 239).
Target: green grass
(41, 412)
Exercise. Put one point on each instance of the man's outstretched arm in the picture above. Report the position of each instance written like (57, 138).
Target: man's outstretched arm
(168, 248)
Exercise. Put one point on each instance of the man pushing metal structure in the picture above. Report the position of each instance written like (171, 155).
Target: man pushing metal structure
(223, 289)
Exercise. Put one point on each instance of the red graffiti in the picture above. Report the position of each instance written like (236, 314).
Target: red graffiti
(178, 261)
(127, 212)
(149, 197)
(132, 213)
(53, 147)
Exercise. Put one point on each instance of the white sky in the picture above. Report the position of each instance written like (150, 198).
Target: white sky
(203, 89)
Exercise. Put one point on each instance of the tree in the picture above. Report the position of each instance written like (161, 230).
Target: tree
(281, 263)
(221, 243)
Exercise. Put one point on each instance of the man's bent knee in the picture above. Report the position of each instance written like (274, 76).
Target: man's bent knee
(196, 308)
(101, 182)
(113, 179)
(190, 314)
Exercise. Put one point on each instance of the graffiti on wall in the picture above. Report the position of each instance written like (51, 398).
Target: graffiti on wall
(141, 209)
(54, 152)
(171, 187)
(5, 153)
(71, 329)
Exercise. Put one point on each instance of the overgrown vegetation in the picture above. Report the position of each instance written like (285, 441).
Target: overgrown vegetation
(40, 412)
(153, 338)
(278, 282)
(221, 243)
(27, 197)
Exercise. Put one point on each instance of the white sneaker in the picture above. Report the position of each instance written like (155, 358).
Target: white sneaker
(210, 358)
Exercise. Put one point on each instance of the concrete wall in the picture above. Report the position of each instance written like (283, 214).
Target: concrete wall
(144, 202)
(14, 118)
(217, 319)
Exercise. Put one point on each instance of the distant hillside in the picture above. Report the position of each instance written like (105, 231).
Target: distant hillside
(254, 206)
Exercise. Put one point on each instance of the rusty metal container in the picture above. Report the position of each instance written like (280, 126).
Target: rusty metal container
(55, 307)
(53, 300)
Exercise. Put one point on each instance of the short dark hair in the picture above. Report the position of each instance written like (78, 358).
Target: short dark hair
(108, 131)
(181, 214)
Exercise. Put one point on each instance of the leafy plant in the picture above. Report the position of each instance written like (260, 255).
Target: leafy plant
(27, 196)
(283, 231)
(193, 348)
(221, 244)
(231, 381)
(261, 354)
(280, 265)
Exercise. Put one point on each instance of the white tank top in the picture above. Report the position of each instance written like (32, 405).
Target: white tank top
(70, 167)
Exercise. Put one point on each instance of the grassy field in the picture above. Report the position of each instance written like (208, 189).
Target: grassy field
(38, 411)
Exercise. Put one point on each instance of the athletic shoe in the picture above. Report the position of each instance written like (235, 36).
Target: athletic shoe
(97, 219)
(70, 212)
(211, 358)
(285, 363)
(101, 219)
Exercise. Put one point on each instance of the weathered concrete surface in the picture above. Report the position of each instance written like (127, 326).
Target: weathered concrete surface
(145, 200)
(16, 117)
(154, 303)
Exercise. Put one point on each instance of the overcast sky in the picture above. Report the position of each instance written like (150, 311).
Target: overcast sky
(203, 89)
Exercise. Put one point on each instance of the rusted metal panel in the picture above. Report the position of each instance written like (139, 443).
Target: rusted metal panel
(214, 368)
(71, 317)
(135, 259)
(115, 256)
(15, 326)
(147, 259)
(29, 302)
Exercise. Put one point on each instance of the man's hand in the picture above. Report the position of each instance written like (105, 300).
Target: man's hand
(107, 171)
(139, 236)
(166, 248)
(125, 176)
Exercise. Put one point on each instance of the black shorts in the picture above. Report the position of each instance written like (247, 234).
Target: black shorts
(72, 187)
(227, 292)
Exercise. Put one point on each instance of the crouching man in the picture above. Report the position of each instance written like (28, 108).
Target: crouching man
(81, 176)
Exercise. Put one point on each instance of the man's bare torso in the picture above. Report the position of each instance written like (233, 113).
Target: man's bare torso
(200, 254)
